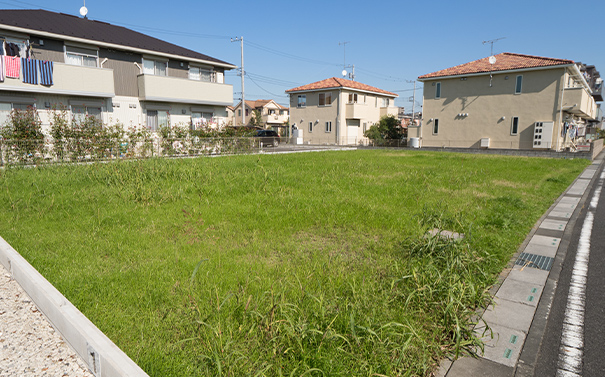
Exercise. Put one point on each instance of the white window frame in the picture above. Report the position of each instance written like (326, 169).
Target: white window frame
(201, 74)
(327, 99)
(437, 90)
(310, 127)
(302, 103)
(328, 126)
(200, 118)
(435, 128)
(519, 84)
(157, 119)
(353, 97)
(514, 126)
(157, 67)
(74, 57)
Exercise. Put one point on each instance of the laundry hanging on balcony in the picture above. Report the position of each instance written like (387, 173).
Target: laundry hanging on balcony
(13, 66)
(30, 71)
(46, 72)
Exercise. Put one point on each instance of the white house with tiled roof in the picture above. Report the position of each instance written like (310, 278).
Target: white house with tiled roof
(509, 101)
(273, 115)
(338, 111)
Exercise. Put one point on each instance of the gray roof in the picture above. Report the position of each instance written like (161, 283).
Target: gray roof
(72, 26)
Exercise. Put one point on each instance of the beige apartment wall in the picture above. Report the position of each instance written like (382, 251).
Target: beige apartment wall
(491, 109)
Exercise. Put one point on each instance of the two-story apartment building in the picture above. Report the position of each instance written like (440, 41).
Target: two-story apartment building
(337, 110)
(107, 71)
(509, 101)
(273, 115)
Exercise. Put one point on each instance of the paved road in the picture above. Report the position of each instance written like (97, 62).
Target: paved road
(574, 339)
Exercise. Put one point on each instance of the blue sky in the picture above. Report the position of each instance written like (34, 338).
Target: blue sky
(291, 43)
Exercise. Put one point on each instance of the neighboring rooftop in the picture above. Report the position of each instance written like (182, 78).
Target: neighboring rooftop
(260, 103)
(505, 61)
(93, 31)
(336, 82)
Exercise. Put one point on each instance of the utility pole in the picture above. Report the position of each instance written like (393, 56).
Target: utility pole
(413, 101)
(242, 73)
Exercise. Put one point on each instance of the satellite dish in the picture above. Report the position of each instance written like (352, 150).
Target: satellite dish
(83, 11)
(492, 59)
(344, 72)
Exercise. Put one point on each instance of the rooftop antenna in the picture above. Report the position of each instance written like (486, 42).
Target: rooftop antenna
(84, 10)
(344, 63)
(492, 58)
(492, 44)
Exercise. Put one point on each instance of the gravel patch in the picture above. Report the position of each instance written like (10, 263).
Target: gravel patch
(29, 345)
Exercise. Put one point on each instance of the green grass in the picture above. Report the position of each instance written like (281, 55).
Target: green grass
(302, 264)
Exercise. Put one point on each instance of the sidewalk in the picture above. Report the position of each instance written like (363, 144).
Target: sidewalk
(518, 316)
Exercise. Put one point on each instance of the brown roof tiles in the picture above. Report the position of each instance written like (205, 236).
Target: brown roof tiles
(336, 82)
(504, 62)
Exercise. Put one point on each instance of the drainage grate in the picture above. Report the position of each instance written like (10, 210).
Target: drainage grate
(535, 261)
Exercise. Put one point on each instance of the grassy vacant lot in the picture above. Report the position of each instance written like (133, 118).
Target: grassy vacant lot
(300, 264)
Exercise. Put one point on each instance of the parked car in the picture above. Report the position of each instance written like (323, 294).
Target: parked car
(268, 137)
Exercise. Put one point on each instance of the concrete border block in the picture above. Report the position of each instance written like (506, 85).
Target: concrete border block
(103, 357)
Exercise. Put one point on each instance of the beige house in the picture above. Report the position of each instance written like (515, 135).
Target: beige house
(109, 72)
(509, 101)
(338, 111)
(273, 115)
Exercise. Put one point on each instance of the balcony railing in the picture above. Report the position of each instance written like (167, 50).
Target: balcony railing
(174, 89)
(578, 101)
(72, 80)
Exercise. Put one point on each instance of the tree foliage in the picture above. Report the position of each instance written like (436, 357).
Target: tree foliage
(388, 127)
(256, 119)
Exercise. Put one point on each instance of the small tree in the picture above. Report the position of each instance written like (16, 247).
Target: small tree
(389, 127)
(23, 137)
(256, 120)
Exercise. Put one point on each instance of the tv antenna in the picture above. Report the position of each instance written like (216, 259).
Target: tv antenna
(344, 63)
(491, 42)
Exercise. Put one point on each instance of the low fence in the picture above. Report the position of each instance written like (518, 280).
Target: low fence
(27, 152)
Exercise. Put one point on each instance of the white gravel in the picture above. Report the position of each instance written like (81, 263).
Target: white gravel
(29, 345)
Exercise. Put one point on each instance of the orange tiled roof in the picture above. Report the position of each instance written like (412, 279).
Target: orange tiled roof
(504, 62)
(336, 82)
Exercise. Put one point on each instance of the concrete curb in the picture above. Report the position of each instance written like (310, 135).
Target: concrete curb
(103, 357)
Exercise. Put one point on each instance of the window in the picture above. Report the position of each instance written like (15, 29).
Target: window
(239, 112)
(247, 112)
(352, 97)
(385, 102)
(281, 112)
(79, 113)
(365, 127)
(438, 90)
(199, 119)
(514, 129)
(435, 126)
(200, 74)
(328, 126)
(154, 67)
(302, 100)
(519, 84)
(325, 99)
(271, 112)
(157, 119)
(6, 108)
(310, 126)
(81, 56)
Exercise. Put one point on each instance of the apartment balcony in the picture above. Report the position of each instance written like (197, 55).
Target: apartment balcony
(356, 111)
(389, 111)
(579, 102)
(69, 80)
(174, 89)
(275, 119)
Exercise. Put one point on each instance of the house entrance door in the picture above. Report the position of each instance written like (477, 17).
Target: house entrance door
(352, 131)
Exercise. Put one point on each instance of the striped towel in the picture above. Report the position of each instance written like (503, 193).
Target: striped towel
(1, 68)
(13, 66)
(46, 72)
(30, 71)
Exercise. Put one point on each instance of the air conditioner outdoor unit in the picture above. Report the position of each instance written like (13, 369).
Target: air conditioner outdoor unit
(485, 142)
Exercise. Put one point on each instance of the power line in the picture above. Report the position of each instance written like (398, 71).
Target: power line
(273, 94)
(288, 55)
